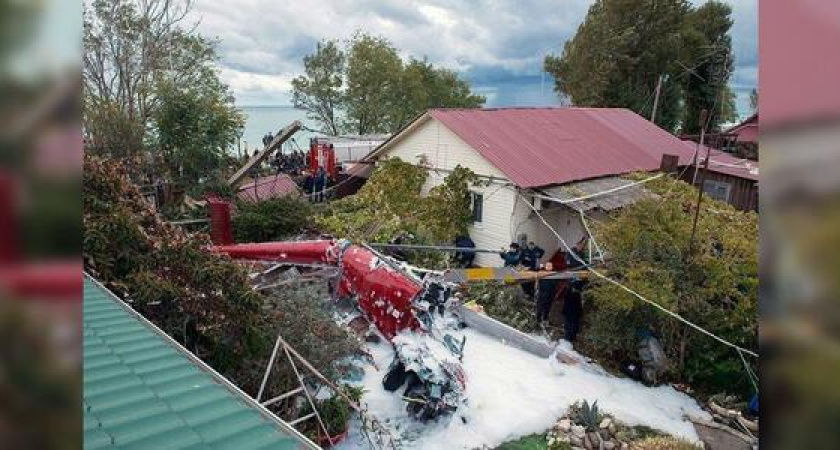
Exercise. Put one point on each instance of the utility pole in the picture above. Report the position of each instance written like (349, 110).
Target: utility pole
(705, 120)
(703, 123)
(656, 98)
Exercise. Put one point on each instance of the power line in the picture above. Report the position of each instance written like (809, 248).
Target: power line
(599, 193)
(631, 291)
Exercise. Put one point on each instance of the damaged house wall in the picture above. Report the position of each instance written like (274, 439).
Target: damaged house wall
(442, 150)
(504, 217)
(565, 220)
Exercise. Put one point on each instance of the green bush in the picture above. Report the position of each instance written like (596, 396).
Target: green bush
(501, 302)
(716, 288)
(391, 202)
(336, 411)
(202, 299)
(270, 220)
(532, 442)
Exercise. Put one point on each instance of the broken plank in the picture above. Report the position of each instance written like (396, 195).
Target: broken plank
(507, 274)
(281, 137)
(505, 333)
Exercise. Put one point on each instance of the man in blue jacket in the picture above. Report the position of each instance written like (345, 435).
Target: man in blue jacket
(531, 260)
(513, 256)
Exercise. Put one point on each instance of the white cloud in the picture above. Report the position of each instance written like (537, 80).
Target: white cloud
(257, 89)
(491, 41)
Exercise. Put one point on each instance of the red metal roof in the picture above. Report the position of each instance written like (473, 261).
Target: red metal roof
(544, 146)
(799, 63)
(725, 163)
(266, 188)
(746, 131)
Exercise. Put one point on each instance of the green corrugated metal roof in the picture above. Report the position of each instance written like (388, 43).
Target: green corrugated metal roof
(144, 391)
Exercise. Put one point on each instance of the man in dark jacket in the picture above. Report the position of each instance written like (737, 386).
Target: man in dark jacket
(546, 291)
(531, 260)
(320, 184)
(464, 258)
(573, 309)
(531, 256)
(513, 256)
(309, 183)
(574, 261)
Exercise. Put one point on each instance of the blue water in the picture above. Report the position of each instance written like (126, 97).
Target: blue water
(260, 120)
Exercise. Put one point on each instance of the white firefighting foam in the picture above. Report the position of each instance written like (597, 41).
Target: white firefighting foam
(511, 393)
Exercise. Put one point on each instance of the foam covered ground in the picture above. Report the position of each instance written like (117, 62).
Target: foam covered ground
(512, 393)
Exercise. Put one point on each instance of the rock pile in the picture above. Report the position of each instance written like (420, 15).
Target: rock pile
(606, 437)
(584, 428)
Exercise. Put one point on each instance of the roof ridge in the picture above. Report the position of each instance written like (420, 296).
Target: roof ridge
(530, 108)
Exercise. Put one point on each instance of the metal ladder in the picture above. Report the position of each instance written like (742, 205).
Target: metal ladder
(377, 435)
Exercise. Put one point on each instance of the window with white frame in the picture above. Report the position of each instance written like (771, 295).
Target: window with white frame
(477, 207)
(717, 189)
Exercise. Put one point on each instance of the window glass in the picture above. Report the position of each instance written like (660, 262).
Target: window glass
(717, 190)
(477, 207)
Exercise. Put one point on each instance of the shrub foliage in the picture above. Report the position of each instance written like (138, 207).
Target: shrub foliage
(392, 202)
(270, 220)
(716, 287)
(201, 299)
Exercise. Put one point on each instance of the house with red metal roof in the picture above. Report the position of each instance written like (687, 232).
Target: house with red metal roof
(740, 139)
(549, 159)
(745, 132)
(729, 178)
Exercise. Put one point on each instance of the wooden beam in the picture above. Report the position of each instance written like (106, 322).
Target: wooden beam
(505, 333)
(507, 274)
(281, 137)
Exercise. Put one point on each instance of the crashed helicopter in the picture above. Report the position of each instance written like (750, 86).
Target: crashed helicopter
(418, 315)
(412, 313)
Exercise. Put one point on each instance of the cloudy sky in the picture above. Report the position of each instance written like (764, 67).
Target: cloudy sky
(498, 45)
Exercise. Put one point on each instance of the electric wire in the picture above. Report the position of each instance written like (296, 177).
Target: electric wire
(634, 293)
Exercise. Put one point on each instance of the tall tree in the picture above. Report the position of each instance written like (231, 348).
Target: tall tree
(709, 48)
(374, 70)
(143, 66)
(754, 100)
(194, 127)
(318, 91)
(424, 86)
(618, 53)
(367, 88)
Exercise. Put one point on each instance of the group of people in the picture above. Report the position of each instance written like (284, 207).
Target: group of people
(267, 139)
(292, 163)
(544, 291)
(315, 184)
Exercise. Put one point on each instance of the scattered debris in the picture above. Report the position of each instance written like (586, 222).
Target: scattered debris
(717, 436)
(511, 393)
(433, 377)
(654, 362)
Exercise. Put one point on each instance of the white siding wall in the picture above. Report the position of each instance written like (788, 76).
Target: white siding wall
(494, 230)
(563, 219)
(444, 150)
(505, 215)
